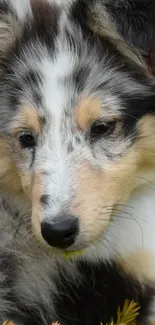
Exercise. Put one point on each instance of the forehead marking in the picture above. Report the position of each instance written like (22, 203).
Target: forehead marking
(29, 118)
(88, 110)
(46, 15)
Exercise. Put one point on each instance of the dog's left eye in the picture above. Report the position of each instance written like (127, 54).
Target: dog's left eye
(99, 129)
(27, 140)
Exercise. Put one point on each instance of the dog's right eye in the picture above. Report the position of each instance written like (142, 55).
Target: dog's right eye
(27, 140)
(98, 129)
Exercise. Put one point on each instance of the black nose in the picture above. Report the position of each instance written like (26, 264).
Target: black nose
(60, 234)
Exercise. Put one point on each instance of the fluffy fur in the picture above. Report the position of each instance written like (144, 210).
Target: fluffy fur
(86, 98)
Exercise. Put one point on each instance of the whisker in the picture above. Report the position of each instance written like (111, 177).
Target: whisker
(126, 213)
(148, 181)
(122, 227)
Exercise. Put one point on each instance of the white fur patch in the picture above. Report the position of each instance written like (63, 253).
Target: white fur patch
(21, 8)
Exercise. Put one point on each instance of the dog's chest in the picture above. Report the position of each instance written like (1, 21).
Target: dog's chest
(96, 297)
(91, 295)
(91, 298)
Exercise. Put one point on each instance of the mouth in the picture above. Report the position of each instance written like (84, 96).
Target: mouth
(80, 247)
(66, 254)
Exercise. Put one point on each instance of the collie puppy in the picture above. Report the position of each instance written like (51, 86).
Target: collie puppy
(77, 162)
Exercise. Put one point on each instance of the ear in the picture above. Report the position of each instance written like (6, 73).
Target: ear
(150, 59)
(132, 21)
(102, 23)
(9, 31)
(13, 14)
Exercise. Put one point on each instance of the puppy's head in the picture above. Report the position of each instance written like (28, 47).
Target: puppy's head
(76, 120)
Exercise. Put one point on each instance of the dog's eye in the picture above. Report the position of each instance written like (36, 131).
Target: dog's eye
(27, 140)
(99, 129)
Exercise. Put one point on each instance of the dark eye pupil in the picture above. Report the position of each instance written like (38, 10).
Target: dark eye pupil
(27, 140)
(99, 129)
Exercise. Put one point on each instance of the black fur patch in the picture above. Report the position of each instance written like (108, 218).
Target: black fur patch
(92, 299)
(135, 21)
(79, 12)
(136, 108)
(4, 8)
(70, 147)
(15, 91)
(32, 78)
(45, 23)
(7, 270)
(96, 297)
(79, 77)
(45, 199)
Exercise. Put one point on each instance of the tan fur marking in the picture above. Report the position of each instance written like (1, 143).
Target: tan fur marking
(16, 182)
(9, 175)
(88, 111)
(140, 265)
(146, 140)
(37, 191)
(28, 118)
(11, 178)
(98, 190)
(26, 180)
